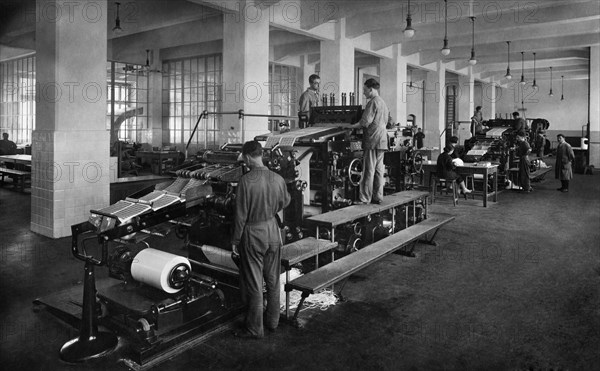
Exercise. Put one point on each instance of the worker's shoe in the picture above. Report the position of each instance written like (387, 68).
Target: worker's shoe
(560, 189)
(358, 203)
(376, 202)
(271, 329)
(565, 190)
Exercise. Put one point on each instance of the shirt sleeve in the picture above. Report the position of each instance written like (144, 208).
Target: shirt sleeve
(368, 115)
(241, 213)
(304, 103)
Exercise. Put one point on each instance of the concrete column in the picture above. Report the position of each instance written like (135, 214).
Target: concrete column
(435, 105)
(337, 64)
(393, 84)
(489, 95)
(70, 149)
(465, 97)
(306, 69)
(155, 125)
(245, 72)
(594, 114)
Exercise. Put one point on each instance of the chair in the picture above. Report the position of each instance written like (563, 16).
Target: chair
(443, 183)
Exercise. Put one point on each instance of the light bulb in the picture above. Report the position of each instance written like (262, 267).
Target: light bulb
(445, 51)
(472, 61)
(409, 32)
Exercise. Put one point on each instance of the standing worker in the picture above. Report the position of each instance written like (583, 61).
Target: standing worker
(564, 159)
(522, 153)
(418, 138)
(261, 194)
(309, 99)
(519, 124)
(375, 143)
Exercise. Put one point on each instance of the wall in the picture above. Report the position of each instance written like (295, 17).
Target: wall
(567, 116)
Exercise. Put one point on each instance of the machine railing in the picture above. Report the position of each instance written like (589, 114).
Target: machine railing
(241, 114)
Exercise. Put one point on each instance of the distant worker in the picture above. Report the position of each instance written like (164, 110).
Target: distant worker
(261, 194)
(540, 143)
(477, 121)
(519, 124)
(522, 153)
(7, 147)
(418, 138)
(445, 169)
(309, 99)
(375, 143)
(564, 159)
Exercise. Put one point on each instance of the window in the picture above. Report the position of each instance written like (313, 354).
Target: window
(284, 92)
(127, 101)
(17, 101)
(191, 86)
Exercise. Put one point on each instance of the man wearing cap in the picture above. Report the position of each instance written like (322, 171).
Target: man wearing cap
(522, 153)
(260, 195)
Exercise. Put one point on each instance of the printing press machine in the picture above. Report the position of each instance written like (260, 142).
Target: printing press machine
(160, 300)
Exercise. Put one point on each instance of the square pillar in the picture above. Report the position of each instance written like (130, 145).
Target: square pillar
(466, 93)
(245, 72)
(70, 149)
(393, 89)
(435, 106)
(337, 64)
(594, 113)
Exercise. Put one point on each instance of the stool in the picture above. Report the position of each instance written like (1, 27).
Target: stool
(434, 181)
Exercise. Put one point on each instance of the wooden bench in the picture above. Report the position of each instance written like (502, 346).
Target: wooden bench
(20, 176)
(299, 251)
(336, 271)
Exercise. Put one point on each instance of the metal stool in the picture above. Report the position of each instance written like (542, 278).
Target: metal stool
(434, 181)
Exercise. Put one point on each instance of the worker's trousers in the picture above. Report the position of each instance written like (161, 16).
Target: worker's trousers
(259, 261)
(372, 181)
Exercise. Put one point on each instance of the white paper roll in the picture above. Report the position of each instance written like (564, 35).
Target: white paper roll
(217, 256)
(153, 267)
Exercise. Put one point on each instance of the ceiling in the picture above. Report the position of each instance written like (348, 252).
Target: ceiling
(560, 32)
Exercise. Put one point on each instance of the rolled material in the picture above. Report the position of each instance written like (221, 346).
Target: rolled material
(160, 269)
(217, 256)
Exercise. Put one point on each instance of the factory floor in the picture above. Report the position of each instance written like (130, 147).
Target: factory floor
(514, 286)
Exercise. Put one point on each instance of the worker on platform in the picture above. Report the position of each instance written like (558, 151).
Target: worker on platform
(375, 143)
(309, 99)
(261, 194)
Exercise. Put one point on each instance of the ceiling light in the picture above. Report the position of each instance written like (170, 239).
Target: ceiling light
(534, 83)
(117, 29)
(473, 61)
(409, 31)
(522, 82)
(446, 49)
(508, 75)
(551, 94)
(562, 88)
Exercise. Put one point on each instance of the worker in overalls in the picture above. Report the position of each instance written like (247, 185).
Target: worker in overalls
(261, 194)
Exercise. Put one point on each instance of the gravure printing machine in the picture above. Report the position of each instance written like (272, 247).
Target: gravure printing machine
(158, 300)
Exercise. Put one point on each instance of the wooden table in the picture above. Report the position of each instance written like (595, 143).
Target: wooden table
(158, 156)
(16, 159)
(470, 169)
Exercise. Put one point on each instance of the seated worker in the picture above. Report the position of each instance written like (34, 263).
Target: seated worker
(7, 147)
(445, 169)
(458, 149)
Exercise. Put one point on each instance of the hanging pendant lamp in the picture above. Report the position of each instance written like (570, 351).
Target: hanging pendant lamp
(508, 75)
(446, 49)
(117, 29)
(473, 60)
(409, 31)
(534, 83)
(551, 93)
(522, 82)
(562, 88)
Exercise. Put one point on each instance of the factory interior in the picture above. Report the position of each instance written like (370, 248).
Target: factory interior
(123, 127)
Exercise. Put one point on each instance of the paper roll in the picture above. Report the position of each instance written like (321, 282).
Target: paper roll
(217, 256)
(155, 268)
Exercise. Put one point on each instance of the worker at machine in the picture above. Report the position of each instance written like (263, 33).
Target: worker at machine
(519, 124)
(446, 166)
(309, 99)
(375, 143)
(418, 138)
(7, 147)
(540, 143)
(523, 150)
(261, 194)
(477, 121)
